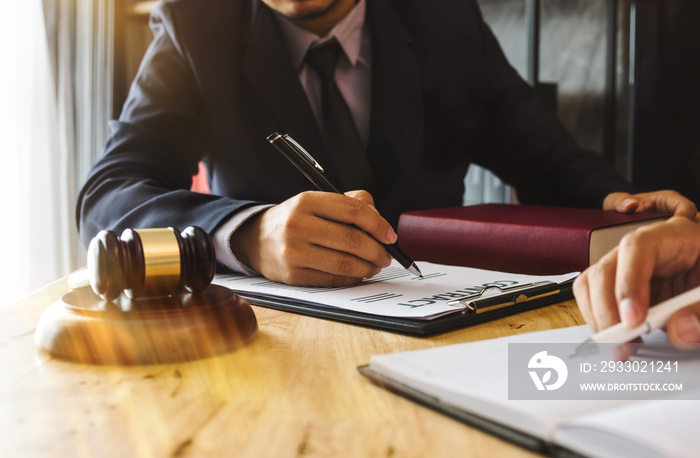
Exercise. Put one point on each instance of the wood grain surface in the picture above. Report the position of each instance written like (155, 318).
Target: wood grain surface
(295, 391)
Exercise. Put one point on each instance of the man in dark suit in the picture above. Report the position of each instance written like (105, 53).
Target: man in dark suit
(428, 91)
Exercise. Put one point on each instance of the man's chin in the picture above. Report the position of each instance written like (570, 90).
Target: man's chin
(309, 12)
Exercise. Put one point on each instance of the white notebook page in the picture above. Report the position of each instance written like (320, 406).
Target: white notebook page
(473, 377)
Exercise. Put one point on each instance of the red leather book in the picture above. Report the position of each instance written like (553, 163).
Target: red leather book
(516, 238)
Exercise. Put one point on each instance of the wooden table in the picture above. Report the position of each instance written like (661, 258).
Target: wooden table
(295, 391)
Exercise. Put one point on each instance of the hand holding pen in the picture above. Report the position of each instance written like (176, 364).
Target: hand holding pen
(307, 165)
(659, 264)
(316, 239)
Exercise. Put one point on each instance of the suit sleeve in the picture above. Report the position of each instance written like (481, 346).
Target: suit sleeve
(144, 176)
(526, 145)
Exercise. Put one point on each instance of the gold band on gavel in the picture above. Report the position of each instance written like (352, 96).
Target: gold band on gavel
(161, 254)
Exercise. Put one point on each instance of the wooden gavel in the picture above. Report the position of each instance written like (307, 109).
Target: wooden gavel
(154, 321)
(150, 262)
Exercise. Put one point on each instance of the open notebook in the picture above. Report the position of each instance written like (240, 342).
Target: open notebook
(470, 382)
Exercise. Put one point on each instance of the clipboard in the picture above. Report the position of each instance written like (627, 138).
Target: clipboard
(489, 304)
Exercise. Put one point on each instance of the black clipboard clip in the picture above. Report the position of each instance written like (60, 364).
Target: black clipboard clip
(505, 296)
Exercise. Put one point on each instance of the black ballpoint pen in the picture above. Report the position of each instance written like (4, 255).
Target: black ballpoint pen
(307, 165)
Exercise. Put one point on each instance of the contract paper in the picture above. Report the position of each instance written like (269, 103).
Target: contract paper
(394, 292)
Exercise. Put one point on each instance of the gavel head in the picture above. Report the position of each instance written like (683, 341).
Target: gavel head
(150, 262)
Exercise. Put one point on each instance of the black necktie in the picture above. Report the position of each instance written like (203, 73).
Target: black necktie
(344, 144)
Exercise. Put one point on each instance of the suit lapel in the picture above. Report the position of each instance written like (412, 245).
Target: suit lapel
(396, 129)
(269, 68)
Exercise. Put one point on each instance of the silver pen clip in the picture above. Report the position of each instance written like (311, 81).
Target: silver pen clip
(305, 154)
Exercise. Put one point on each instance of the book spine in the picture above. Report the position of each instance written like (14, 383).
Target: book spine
(504, 247)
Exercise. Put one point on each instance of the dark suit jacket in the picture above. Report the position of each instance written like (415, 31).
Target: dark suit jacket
(218, 79)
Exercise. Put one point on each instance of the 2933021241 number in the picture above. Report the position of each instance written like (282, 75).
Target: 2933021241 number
(637, 366)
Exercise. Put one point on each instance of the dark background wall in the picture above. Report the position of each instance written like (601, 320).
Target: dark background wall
(666, 97)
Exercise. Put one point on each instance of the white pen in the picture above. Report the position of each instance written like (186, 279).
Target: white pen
(656, 318)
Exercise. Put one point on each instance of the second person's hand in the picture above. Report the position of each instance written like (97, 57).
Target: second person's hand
(650, 265)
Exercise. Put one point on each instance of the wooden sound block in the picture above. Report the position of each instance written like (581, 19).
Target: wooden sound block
(84, 328)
